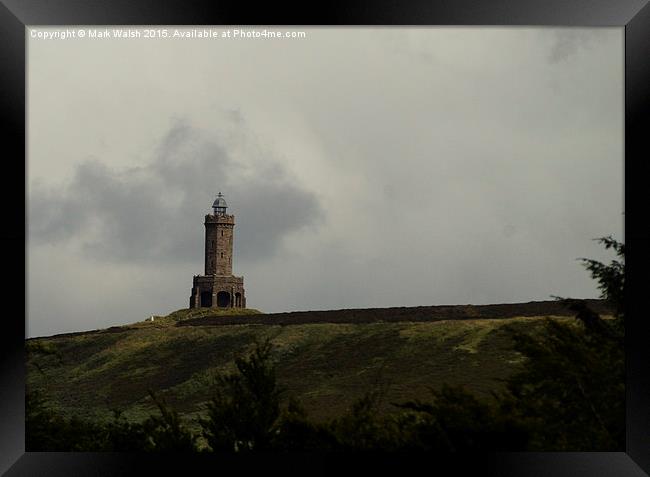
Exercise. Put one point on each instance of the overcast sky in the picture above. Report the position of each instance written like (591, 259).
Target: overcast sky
(366, 167)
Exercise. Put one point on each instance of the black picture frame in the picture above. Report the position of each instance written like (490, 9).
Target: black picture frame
(633, 15)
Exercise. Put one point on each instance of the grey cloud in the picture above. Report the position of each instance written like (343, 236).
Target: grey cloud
(155, 213)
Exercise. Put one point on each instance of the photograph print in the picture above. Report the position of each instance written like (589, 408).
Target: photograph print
(249, 239)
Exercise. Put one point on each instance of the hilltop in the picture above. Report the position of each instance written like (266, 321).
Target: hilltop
(326, 359)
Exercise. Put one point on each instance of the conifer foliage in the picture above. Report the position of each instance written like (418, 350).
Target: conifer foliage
(571, 394)
(243, 414)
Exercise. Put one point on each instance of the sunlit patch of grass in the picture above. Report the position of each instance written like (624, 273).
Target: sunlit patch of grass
(40, 347)
(189, 313)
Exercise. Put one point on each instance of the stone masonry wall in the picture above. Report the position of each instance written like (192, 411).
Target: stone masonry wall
(219, 244)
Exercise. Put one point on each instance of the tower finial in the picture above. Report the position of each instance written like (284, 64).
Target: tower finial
(219, 205)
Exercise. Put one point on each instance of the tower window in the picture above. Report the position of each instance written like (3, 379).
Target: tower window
(221, 254)
(213, 245)
(222, 233)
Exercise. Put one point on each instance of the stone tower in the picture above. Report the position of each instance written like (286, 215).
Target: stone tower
(218, 288)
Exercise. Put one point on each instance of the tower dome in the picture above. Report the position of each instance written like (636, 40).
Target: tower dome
(219, 205)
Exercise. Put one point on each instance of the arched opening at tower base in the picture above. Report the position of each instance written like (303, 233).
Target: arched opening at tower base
(206, 299)
(238, 300)
(223, 299)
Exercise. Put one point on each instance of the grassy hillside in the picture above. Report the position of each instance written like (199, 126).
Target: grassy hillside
(325, 365)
